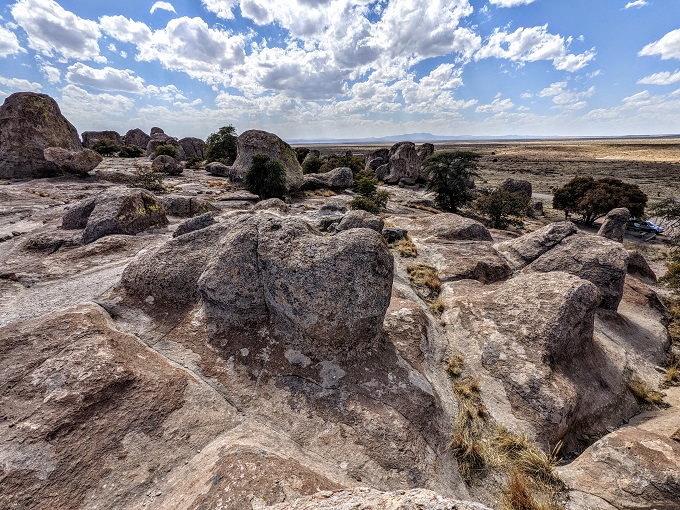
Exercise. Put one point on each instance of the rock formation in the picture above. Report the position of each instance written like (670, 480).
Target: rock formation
(614, 224)
(167, 165)
(193, 147)
(91, 137)
(136, 137)
(338, 178)
(519, 186)
(158, 139)
(73, 162)
(29, 124)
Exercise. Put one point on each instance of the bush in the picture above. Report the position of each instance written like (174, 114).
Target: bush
(105, 147)
(266, 177)
(451, 176)
(370, 199)
(355, 163)
(301, 153)
(365, 204)
(503, 207)
(165, 150)
(312, 166)
(221, 146)
(592, 198)
(130, 151)
(147, 178)
(193, 162)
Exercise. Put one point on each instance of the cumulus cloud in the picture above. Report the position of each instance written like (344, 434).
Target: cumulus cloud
(222, 8)
(667, 47)
(125, 30)
(510, 3)
(53, 30)
(9, 44)
(20, 84)
(533, 44)
(164, 6)
(496, 106)
(94, 111)
(663, 78)
(636, 4)
(51, 73)
(108, 78)
(566, 99)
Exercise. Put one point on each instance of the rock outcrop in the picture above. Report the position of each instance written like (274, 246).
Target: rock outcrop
(73, 162)
(452, 227)
(403, 163)
(136, 137)
(338, 178)
(254, 142)
(158, 139)
(614, 224)
(359, 219)
(377, 159)
(117, 211)
(193, 147)
(167, 165)
(29, 124)
(92, 137)
(519, 186)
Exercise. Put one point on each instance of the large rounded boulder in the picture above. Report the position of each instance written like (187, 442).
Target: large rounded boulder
(254, 142)
(29, 124)
(73, 162)
(136, 137)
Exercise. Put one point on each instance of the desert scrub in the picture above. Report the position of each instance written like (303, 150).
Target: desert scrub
(146, 178)
(165, 150)
(407, 248)
(468, 441)
(425, 281)
(519, 495)
(644, 393)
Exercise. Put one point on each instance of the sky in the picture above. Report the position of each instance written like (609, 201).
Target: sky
(312, 69)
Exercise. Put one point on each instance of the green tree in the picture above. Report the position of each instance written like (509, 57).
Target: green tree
(266, 177)
(221, 146)
(451, 176)
(592, 198)
(312, 165)
(355, 163)
(130, 151)
(503, 207)
(165, 150)
(105, 147)
(369, 199)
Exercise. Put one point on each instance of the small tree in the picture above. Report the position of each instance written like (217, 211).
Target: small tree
(165, 150)
(451, 176)
(221, 146)
(312, 165)
(369, 199)
(592, 198)
(105, 147)
(266, 177)
(130, 151)
(503, 207)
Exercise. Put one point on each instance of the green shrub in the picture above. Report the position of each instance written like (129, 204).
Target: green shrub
(130, 151)
(365, 204)
(221, 146)
(355, 163)
(193, 162)
(312, 165)
(165, 150)
(266, 177)
(365, 183)
(147, 178)
(105, 147)
(451, 176)
(503, 207)
(370, 199)
(301, 153)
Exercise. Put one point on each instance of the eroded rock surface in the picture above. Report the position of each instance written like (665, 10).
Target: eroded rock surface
(73, 162)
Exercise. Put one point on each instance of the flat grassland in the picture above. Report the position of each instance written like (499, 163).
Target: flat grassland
(651, 163)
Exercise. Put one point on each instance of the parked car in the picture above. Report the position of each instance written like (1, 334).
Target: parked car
(644, 226)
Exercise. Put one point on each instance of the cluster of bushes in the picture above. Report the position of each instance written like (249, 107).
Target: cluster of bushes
(107, 147)
(165, 150)
(221, 146)
(266, 177)
(369, 199)
(316, 165)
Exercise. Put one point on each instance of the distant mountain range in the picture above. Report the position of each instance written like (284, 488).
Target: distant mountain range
(429, 137)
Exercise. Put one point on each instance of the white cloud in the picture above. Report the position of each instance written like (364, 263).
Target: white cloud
(533, 44)
(165, 6)
(663, 78)
(9, 44)
(53, 30)
(636, 4)
(88, 111)
(510, 3)
(496, 106)
(222, 8)
(51, 73)
(566, 99)
(107, 78)
(667, 47)
(125, 30)
(20, 84)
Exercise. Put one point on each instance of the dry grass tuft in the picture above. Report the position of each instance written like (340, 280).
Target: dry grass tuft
(407, 248)
(454, 367)
(425, 281)
(672, 377)
(468, 441)
(644, 393)
(519, 495)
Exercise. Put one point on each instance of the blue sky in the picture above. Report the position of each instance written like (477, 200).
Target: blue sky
(351, 68)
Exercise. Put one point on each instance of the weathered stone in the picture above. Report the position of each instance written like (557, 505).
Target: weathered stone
(639, 267)
(338, 178)
(185, 207)
(377, 158)
(365, 498)
(535, 210)
(469, 260)
(29, 124)
(312, 154)
(519, 186)
(272, 203)
(199, 222)
(166, 165)
(424, 151)
(92, 137)
(451, 227)
(136, 137)
(193, 147)
(218, 169)
(614, 224)
(596, 259)
(254, 142)
(331, 291)
(157, 131)
(116, 211)
(404, 164)
(159, 139)
(394, 234)
(629, 468)
(524, 250)
(73, 162)
(359, 219)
